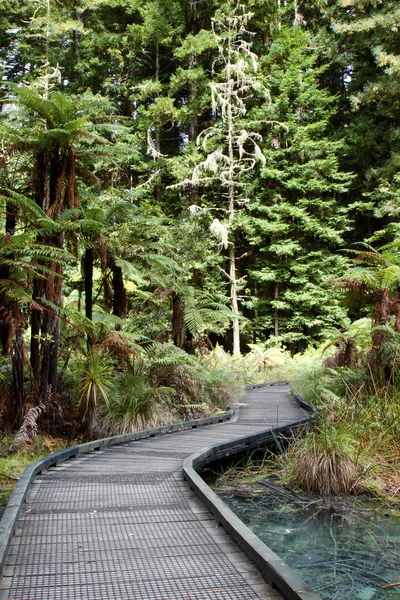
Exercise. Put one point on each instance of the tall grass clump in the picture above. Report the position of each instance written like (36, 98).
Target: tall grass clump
(135, 404)
(324, 462)
(168, 385)
(358, 433)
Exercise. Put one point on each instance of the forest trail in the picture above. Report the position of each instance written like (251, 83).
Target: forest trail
(123, 525)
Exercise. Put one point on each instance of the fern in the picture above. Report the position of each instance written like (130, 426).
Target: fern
(27, 206)
(193, 319)
(12, 290)
(35, 103)
(167, 354)
(130, 271)
(164, 262)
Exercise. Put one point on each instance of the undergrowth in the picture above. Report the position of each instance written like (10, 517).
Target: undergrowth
(12, 464)
(354, 447)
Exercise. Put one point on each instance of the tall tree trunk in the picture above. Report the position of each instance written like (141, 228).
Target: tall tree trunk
(50, 329)
(88, 261)
(158, 128)
(120, 304)
(9, 309)
(234, 301)
(36, 322)
(104, 261)
(194, 120)
(17, 388)
(178, 321)
(231, 213)
(11, 334)
(381, 314)
(276, 315)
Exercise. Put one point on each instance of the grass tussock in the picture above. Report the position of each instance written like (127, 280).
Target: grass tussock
(323, 471)
(136, 404)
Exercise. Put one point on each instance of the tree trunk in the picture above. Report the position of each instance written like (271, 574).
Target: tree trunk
(88, 261)
(50, 329)
(178, 321)
(234, 300)
(194, 120)
(276, 315)
(104, 261)
(380, 316)
(120, 305)
(36, 322)
(17, 388)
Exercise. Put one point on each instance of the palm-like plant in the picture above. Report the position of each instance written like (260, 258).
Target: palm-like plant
(97, 379)
(22, 260)
(55, 131)
(376, 276)
(347, 341)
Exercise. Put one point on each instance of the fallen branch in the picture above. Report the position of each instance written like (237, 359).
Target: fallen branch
(9, 477)
(390, 585)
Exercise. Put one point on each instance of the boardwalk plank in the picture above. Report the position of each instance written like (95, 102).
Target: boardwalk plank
(121, 524)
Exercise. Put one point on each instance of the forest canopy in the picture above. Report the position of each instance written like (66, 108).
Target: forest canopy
(181, 174)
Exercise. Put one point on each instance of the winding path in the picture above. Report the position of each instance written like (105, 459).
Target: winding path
(123, 525)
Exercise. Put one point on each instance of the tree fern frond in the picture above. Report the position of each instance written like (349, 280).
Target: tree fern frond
(118, 211)
(26, 205)
(107, 319)
(63, 104)
(390, 277)
(70, 215)
(10, 289)
(359, 275)
(163, 262)
(393, 259)
(130, 271)
(56, 135)
(369, 256)
(37, 104)
(167, 354)
(193, 320)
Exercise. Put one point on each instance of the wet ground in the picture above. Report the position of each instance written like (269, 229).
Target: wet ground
(344, 549)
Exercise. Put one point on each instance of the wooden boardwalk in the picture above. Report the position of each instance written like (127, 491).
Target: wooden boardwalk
(123, 525)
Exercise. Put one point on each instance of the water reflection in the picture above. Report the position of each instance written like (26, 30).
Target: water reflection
(342, 551)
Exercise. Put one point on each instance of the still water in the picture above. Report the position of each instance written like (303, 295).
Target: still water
(341, 552)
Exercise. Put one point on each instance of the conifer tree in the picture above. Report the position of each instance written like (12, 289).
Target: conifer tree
(295, 221)
(367, 31)
(232, 148)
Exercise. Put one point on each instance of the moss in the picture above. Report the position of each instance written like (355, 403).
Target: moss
(12, 464)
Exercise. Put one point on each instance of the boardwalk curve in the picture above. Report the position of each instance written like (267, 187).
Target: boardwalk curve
(122, 524)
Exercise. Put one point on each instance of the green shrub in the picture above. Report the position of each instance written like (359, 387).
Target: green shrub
(135, 404)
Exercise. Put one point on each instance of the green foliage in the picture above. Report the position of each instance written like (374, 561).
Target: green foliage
(136, 404)
(96, 381)
(102, 104)
(294, 223)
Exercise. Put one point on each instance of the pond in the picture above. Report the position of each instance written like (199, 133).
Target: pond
(342, 550)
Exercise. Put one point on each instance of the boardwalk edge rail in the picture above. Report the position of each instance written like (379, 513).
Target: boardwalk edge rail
(274, 570)
(9, 520)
